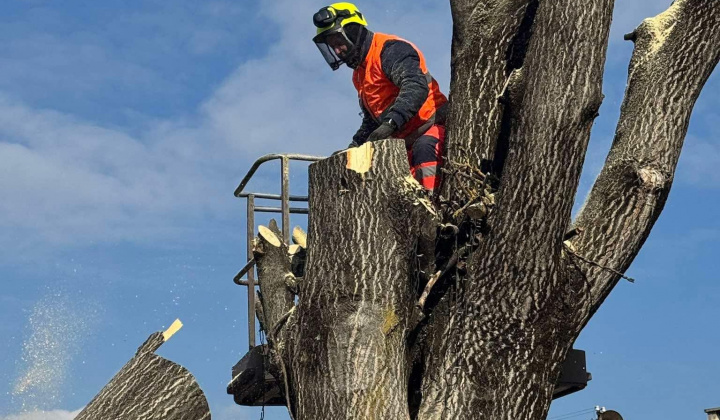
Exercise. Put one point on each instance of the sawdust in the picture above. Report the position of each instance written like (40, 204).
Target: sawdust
(56, 331)
(660, 27)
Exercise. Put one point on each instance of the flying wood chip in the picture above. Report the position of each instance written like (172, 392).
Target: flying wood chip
(150, 387)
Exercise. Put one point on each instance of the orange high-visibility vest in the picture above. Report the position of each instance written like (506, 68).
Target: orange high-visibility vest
(377, 92)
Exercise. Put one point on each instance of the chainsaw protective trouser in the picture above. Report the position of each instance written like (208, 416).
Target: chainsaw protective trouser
(425, 157)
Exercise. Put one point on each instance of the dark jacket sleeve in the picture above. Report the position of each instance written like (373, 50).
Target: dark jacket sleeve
(368, 126)
(401, 64)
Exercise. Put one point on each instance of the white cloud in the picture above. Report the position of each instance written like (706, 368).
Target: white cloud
(65, 180)
(44, 415)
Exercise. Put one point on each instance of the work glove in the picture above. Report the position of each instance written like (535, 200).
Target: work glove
(383, 132)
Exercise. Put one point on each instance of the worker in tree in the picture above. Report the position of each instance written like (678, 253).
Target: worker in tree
(398, 96)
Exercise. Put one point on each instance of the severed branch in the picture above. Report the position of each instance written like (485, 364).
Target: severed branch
(299, 237)
(276, 300)
(675, 53)
(273, 265)
(298, 255)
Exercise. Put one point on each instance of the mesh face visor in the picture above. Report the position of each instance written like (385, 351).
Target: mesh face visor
(334, 46)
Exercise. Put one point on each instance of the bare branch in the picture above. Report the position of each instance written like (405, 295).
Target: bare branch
(273, 265)
(674, 55)
(552, 117)
(488, 37)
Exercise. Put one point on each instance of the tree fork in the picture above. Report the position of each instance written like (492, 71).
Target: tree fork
(526, 87)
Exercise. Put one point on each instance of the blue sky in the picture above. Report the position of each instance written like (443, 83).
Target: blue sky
(125, 127)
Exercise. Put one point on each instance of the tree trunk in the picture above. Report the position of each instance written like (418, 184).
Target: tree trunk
(512, 292)
(359, 290)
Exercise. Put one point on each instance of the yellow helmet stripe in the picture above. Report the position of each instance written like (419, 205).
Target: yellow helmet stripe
(356, 15)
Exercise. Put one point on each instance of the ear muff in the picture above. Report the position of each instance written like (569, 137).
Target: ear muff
(324, 18)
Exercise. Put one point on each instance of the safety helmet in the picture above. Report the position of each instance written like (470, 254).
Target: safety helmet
(332, 38)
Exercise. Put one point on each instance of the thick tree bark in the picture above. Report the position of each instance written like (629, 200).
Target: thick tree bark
(489, 39)
(149, 387)
(516, 274)
(526, 88)
(675, 53)
(359, 290)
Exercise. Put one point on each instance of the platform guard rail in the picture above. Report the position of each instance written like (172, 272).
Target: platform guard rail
(285, 199)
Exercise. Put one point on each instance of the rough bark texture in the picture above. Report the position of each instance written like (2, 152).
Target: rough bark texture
(350, 359)
(526, 88)
(508, 304)
(675, 53)
(273, 266)
(149, 387)
(488, 44)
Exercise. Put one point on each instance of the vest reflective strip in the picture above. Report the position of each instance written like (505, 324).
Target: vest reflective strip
(427, 169)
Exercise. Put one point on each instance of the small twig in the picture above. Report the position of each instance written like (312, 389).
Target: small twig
(275, 331)
(470, 176)
(452, 262)
(468, 204)
(466, 166)
(281, 322)
(428, 288)
(610, 269)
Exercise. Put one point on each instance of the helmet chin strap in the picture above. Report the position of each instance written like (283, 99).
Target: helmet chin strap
(356, 34)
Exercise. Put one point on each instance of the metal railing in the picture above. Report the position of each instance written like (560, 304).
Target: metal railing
(285, 209)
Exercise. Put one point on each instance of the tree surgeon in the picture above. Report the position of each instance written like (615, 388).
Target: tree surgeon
(398, 96)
